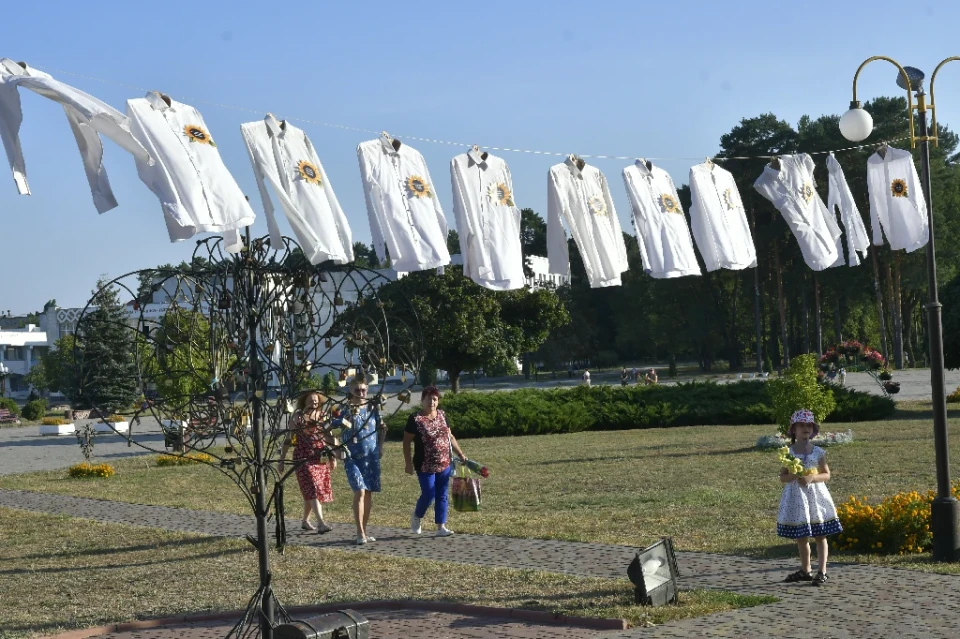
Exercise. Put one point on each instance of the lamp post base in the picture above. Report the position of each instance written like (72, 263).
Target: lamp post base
(945, 525)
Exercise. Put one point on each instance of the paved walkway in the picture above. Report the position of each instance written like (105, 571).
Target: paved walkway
(858, 602)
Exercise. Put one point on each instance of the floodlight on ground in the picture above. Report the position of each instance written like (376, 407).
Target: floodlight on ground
(654, 574)
(343, 624)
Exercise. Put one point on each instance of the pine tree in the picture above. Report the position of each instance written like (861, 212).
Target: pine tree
(104, 355)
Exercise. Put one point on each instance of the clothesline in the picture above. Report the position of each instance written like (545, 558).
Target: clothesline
(458, 144)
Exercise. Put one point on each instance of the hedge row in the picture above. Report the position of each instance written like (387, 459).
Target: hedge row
(570, 410)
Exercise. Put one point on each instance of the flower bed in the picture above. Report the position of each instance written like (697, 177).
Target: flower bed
(88, 470)
(184, 460)
(897, 525)
(822, 439)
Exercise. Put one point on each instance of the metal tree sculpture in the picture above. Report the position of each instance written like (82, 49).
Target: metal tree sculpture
(220, 364)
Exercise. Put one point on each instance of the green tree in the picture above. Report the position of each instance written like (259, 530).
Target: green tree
(37, 376)
(797, 389)
(453, 242)
(180, 362)
(104, 355)
(533, 237)
(365, 256)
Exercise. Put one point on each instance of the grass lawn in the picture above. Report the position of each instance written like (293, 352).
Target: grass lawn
(107, 573)
(706, 486)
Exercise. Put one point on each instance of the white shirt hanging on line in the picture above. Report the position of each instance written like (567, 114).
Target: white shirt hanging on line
(662, 233)
(88, 118)
(195, 189)
(718, 219)
(581, 198)
(403, 207)
(791, 190)
(488, 221)
(840, 198)
(897, 206)
(283, 155)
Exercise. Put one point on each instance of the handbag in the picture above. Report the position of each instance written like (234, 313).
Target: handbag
(465, 490)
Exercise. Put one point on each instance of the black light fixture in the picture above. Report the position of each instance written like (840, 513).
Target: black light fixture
(654, 574)
(343, 624)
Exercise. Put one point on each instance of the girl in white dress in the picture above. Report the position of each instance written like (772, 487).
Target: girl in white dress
(806, 507)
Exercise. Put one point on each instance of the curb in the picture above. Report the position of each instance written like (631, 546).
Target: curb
(536, 616)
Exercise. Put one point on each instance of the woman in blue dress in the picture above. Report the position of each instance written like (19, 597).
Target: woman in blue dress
(363, 433)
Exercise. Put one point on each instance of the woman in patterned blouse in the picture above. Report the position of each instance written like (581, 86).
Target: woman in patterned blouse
(433, 444)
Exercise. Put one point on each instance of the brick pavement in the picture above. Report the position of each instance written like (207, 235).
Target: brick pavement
(858, 602)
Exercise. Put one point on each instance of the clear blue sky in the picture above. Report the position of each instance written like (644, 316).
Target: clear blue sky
(638, 78)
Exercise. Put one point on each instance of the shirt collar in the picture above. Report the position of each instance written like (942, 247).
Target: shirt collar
(13, 67)
(387, 146)
(476, 158)
(157, 102)
(571, 163)
(641, 165)
(276, 128)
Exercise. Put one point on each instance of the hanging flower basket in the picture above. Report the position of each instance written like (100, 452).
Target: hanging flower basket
(885, 375)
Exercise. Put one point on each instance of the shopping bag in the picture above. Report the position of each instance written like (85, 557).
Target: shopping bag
(465, 491)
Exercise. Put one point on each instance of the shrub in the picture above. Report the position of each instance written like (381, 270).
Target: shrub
(329, 384)
(10, 405)
(115, 419)
(53, 421)
(954, 397)
(87, 470)
(797, 389)
(35, 409)
(184, 460)
(898, 524)
(566, 410)
(768, 364)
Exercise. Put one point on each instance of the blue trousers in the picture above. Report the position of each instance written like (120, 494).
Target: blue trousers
(433, 486)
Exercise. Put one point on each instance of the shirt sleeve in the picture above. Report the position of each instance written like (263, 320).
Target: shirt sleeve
(558, 253)
(260, 169)
(339, 218)
(411, 426)
(618, 230)
(11, 116)
(465, 225)
(876, 195)
(374, 199)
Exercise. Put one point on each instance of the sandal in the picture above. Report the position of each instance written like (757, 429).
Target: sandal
(820, 579)
(306, 525)
(323, 528)
(800, 575)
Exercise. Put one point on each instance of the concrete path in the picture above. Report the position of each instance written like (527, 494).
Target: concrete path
(858, 601)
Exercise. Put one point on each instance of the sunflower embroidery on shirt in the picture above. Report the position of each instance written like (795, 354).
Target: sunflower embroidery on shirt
(806, 191)
(197, 133)
(669, 203)
(597, 206)
(309, 172)
(500, 193)
(418, 187)
(898, 188)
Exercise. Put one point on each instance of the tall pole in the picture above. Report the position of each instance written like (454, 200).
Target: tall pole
(816, 310)
(946, 509)
(263, 551)
(876, 288)
(756, 304)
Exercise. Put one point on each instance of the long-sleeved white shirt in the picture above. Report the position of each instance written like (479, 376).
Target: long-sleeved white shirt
(718, 219)
(488, 221)
(897, 206)
(283, 156)
(581, 199)
(88, 118)
(403, 206)
(791, 190)
(195, 189)
(666, 247)
(839, 198)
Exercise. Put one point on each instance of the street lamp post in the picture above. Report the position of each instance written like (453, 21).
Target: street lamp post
(856, 125)
(4, 373)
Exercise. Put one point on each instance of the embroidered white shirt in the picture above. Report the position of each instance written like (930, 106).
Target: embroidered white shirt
(840, 198)
(581, 199)
(488, 221)
(718, 219)
(403, 206)
(897, 206)
(283, 156)
(195, 189)
(792, 191)
(662, 233)
(88, 118)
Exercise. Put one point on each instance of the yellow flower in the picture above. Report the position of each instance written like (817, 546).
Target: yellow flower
(309, 172)
(196, 133)
(806, 191)
(898, 188)
(597, 206)
(418, 187)
(501, 193)
(669, 203)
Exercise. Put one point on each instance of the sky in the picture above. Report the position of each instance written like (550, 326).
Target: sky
(634, 79)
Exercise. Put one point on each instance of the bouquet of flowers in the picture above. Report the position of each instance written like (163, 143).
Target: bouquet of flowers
(465, 490)
(792, 464)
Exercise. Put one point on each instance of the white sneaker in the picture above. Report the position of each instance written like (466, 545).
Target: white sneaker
(371, 538)
(443, 531)
(415, 527)
(361, 541)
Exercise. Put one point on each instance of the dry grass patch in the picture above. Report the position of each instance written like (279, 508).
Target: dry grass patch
(58, 573)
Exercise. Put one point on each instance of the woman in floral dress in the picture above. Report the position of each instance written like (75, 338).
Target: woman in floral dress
(431, 441)
(311, 440)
